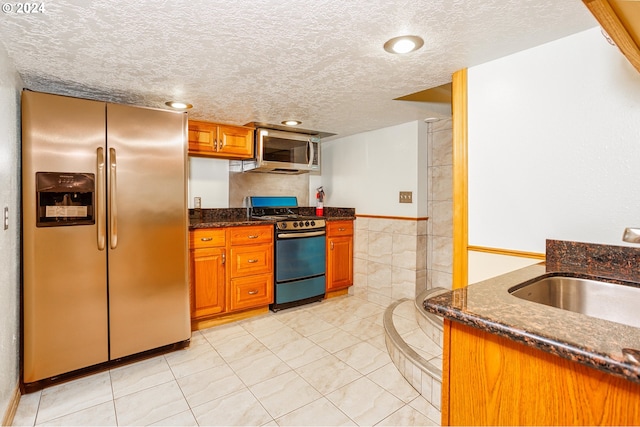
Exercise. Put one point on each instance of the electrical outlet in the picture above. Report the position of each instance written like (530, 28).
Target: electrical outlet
(6, 218)
(406, 197)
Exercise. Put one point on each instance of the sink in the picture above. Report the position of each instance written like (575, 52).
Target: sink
(595, 298)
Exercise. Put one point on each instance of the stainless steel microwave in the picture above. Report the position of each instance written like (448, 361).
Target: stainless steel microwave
(284, 152)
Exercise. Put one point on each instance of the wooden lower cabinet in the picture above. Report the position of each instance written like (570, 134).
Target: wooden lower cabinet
(231, 270)
(207, 297)
(339, 256)
(491, 380)
(207, 254)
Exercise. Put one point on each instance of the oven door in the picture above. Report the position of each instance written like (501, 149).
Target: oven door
(299, 257)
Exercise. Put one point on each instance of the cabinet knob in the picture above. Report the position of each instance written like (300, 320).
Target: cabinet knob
(253, 236)
(341, 229)
(206, 239)
(252, 261)
(253, 292)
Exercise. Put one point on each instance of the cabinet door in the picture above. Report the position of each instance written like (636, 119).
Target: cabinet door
(202, 137)
(235, 142)
(339, 262)
(207, 281)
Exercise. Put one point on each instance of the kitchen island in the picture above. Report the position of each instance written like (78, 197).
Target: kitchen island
(511, 361)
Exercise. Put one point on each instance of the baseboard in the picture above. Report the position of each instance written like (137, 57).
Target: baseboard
(337, 293)
(7, 420)
(227, 318)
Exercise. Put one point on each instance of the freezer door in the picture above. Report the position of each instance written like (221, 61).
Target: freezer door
(64, 272)
(147, 222)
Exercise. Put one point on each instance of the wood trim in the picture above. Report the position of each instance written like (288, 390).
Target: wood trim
(7, 420)
(460, 179)
(612, 24)
(446, 374)
(420, 218)
(509, 252)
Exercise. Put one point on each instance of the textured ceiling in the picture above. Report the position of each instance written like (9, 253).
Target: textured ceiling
(318, 61)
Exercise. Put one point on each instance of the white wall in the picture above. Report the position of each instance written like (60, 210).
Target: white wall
(209, 180)
(367, 171)
(10, 86)
(484, 266)
(554, 145)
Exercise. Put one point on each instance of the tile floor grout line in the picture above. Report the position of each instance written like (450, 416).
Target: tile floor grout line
(316, 322)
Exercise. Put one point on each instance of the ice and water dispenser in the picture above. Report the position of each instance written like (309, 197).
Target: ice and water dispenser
(65, 199)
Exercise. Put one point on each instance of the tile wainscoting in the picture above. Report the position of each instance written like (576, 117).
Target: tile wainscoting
(440, 205)
(390, 258)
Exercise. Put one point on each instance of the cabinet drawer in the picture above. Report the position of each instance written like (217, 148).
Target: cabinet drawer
(206, 238)
(253, 291)
(251, 259)
(340, 228)
(251, 235)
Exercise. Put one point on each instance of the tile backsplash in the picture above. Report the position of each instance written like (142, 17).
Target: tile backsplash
(615, 262)
(246, 184)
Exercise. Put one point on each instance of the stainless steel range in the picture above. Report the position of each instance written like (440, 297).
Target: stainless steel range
(299, 258)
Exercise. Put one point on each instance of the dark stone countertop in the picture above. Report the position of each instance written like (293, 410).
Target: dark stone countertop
(597, 343)
(234, 217)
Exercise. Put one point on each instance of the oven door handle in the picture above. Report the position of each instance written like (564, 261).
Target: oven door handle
(304, 234)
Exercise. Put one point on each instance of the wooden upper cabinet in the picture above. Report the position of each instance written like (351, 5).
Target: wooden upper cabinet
(218, 140)
(621, 20)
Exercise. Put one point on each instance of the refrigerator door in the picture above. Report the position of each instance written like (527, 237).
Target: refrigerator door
(64, 272)
(147, 221)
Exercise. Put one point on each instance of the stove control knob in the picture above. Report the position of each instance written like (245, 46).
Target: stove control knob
(313, 223)
(306, 223)
(283, 225)
(295, 224)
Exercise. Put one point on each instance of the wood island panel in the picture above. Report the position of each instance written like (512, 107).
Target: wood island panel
(491, 380)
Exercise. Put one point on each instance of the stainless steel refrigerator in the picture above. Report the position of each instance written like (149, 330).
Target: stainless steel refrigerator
(104, 220)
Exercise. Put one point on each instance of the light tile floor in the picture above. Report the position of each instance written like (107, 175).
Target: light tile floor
(321, 364)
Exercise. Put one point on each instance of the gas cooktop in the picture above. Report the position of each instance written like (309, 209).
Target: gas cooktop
(283, 210)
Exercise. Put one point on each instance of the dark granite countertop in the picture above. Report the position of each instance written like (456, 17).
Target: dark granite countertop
(234, 217)
(597, 343)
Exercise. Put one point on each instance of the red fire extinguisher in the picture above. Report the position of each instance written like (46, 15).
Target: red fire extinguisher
(319, 201)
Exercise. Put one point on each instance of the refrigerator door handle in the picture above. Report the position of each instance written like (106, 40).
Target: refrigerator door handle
(113, 207)
(100, 208)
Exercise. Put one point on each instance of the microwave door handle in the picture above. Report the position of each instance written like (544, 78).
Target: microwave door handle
(311, 152)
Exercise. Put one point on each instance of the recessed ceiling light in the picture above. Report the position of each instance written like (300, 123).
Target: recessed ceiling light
(291, 122)
(177, 105)
(403, 44)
